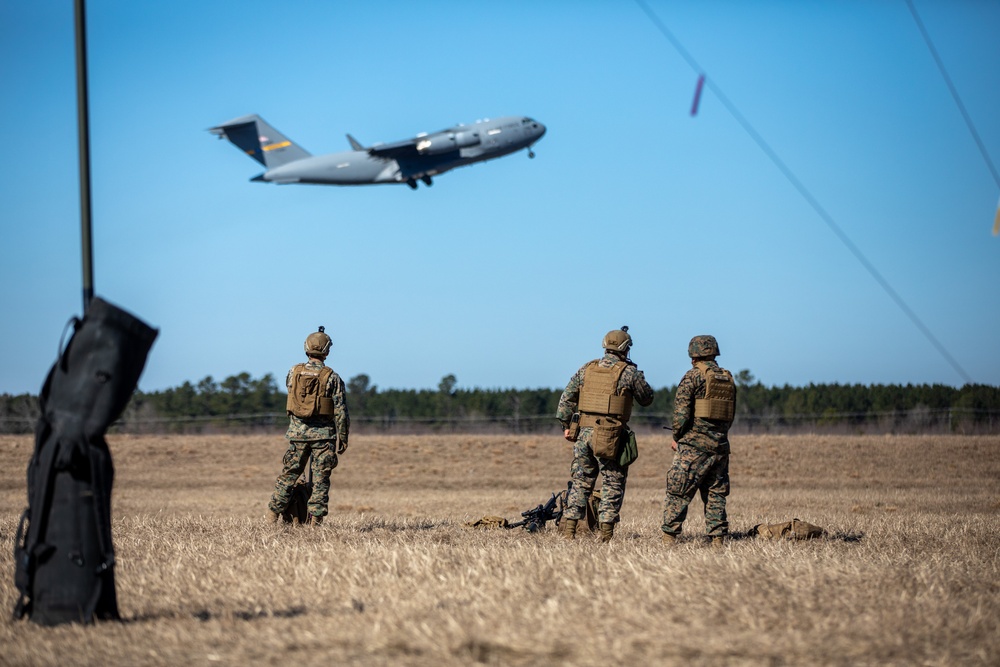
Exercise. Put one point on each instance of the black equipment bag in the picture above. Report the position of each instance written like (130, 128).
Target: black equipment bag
(64, 557)
(298, 502)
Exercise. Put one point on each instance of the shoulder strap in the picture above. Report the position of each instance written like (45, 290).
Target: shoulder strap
(324, 378)
(620, 368)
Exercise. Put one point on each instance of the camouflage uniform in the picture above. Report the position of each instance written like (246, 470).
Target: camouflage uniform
(701, 463)
(586, 465)
(319, 437)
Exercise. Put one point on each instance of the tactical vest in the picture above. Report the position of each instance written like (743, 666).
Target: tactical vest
(307, 394)
(599, 394)
(719, 402)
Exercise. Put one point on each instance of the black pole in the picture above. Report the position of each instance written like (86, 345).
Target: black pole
(83, 132)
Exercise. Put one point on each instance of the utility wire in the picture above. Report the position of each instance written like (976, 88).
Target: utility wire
(806, 194)
(954, 92)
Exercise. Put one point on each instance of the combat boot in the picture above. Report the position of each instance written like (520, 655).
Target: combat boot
(718, 542)
(272, 517)
(569, 528)
(668, 539)
(314, 520)
(607, 531)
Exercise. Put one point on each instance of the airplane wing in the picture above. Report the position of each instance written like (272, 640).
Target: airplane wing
(395, 150)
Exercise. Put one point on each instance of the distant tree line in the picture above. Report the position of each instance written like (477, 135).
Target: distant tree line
(244, 402)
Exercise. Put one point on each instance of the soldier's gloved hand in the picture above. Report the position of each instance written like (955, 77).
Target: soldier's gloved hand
(341, 446)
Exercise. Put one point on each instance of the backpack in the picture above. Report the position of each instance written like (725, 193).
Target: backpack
(297, 510)
(788, 530)
(719, 402)
(307, 393)
(603, 409)
(64, 556)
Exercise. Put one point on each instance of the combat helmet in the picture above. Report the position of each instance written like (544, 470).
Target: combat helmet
(617, 340)
(318, 344)
(703, 346)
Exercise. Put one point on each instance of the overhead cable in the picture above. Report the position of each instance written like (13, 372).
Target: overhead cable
(954, 93)
(806, 194)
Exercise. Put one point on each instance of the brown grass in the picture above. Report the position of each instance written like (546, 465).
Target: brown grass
(908, 575)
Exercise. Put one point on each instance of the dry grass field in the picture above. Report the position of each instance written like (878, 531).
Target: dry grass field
(909, 573)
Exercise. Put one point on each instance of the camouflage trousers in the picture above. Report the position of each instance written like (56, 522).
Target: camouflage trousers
(584, 472)
(324, 460)
(694, 470)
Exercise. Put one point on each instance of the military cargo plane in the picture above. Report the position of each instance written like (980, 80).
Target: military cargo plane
(406, 161)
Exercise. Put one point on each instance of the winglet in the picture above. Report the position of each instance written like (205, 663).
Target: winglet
(354, 143)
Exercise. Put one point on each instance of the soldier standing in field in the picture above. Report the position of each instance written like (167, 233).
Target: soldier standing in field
(594, 411)
(703, 412)
(317, 430)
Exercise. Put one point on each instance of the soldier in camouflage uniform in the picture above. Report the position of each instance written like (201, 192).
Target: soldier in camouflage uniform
(601, 392)
(319, 439)
(700, 429)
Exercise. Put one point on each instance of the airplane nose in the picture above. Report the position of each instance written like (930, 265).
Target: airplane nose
(539, 129)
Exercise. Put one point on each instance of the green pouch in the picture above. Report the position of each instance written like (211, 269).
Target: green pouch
(629, 449)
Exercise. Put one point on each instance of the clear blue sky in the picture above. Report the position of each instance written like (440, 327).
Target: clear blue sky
(508, 273)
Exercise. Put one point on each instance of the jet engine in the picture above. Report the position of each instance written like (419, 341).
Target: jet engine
(444, 142)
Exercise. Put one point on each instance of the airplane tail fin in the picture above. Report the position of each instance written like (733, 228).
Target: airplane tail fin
(263, 143)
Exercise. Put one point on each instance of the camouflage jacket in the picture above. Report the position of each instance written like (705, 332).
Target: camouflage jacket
(708, 435)
(631, 381)
(322, 428)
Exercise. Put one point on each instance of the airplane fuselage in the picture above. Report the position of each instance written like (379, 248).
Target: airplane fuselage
(406, 161)
(346, 168)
